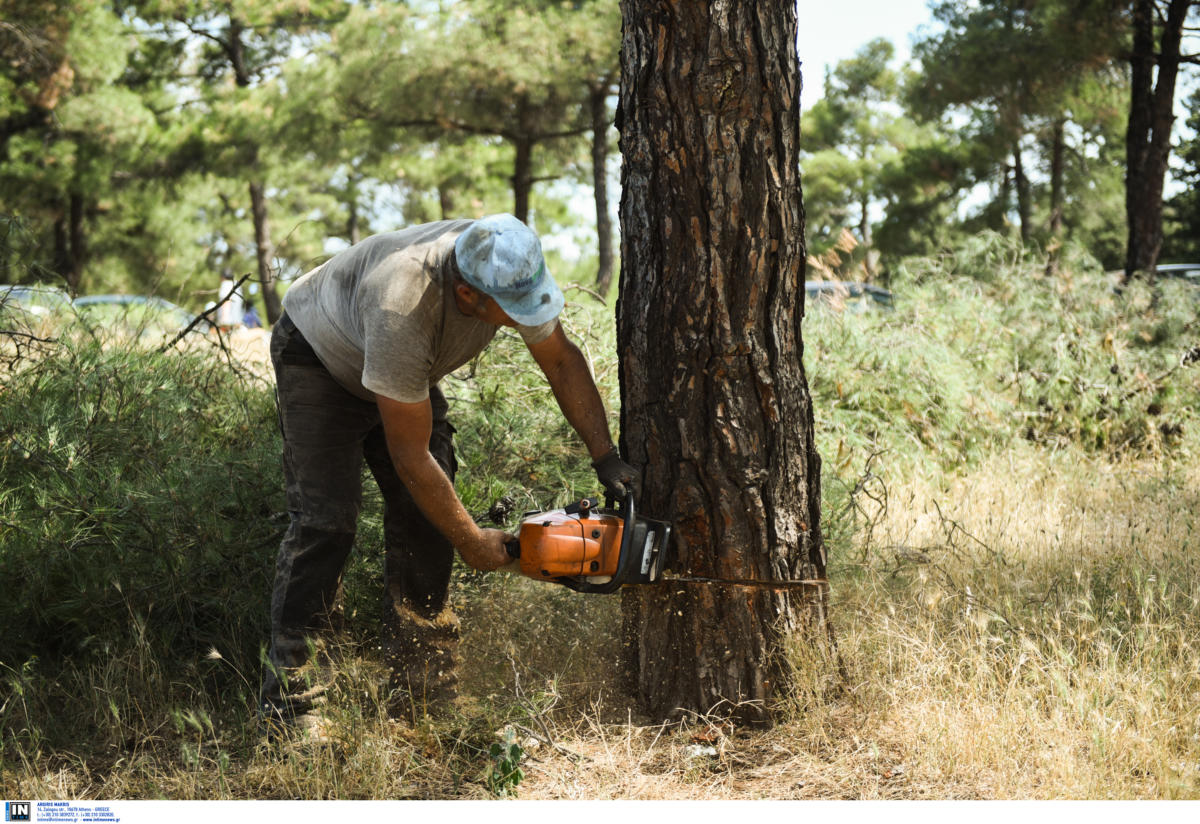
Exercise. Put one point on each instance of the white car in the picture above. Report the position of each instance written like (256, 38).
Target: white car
(137, 314)
(1184, 271)
(33, 301)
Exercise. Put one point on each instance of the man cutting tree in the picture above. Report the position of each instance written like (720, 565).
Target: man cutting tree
(358, 353)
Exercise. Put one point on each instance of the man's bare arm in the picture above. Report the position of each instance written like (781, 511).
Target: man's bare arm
(566, 370)
(408, 427)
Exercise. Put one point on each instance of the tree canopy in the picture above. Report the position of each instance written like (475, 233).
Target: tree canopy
(146, 145)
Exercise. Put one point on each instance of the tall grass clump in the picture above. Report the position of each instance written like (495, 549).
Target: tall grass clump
(139, 513)
(1024, 628)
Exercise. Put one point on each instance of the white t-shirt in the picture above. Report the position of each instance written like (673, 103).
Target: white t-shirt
(229, 313)
(381, 315)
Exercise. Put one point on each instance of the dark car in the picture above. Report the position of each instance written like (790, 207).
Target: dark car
(847, 295)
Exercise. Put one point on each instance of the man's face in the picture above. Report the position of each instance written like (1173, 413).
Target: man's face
(472, 302)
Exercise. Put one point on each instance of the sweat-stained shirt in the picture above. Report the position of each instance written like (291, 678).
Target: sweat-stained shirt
(381, 315)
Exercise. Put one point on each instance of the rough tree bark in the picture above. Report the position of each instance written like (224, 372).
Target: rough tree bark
(1148, 136)
(714, 402)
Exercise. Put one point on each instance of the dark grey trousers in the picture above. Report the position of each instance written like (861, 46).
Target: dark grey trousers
(327, 434)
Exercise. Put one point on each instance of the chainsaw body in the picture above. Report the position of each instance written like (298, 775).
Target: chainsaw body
(590, 549)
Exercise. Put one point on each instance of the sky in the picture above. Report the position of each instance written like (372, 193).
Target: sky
(833, 31)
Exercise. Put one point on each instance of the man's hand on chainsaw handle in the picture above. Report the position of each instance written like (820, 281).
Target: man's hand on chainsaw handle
(487, 552)
(617, 477)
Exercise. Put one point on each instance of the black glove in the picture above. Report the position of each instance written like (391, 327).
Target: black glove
(617, 477)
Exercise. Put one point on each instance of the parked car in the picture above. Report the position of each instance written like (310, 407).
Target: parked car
(33, 302)
(847, 296)
(1184, 271)
(135, 314)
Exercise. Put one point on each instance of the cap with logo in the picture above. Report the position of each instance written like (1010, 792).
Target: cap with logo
(502, 257)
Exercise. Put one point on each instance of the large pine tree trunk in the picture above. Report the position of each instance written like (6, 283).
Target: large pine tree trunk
(714, 401)
(1148, 136)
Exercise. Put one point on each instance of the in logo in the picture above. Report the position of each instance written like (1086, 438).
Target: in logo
(16, 811)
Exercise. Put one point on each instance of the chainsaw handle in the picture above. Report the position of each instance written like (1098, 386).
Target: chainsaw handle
(626, 557)
(513, 547)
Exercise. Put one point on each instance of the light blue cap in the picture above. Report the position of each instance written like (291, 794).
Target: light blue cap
(502, 257)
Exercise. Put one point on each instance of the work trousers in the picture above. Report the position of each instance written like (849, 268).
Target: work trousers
(327, 434)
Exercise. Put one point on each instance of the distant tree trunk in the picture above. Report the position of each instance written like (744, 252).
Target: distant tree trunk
(1021, 182)
(264, 252)
(1057, 152)
(523, 143)
(349, 196)
(78, 232)
(353, 233)
(864, 232)
(598, 103)
(235, 51)
(446, 201)
(70, 243)
(1005, 198)
(715, 406)
(522, 179)
(1148, 137)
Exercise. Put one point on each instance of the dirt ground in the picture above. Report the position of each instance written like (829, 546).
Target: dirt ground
(249, 347)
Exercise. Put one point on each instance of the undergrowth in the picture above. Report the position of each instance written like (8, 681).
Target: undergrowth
(1009, 499)
(984, 350)
(138, 527)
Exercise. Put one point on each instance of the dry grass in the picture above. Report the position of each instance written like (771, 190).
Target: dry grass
(1026, 630)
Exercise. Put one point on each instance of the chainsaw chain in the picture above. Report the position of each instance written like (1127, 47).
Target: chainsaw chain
(744, 582)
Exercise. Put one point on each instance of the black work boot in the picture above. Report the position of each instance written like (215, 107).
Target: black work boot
(293, 699)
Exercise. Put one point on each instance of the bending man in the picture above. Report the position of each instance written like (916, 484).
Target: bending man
(358, 353)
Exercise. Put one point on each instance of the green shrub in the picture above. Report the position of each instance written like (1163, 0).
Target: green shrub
(984, 347)
(138, 518)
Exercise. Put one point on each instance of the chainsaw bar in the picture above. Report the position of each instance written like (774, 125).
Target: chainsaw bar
(744, 582)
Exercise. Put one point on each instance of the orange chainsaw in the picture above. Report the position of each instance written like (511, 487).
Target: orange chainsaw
(590, 549)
